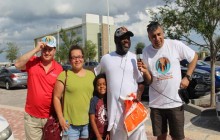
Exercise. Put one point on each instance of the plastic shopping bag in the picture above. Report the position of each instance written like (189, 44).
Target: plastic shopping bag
(135, 114)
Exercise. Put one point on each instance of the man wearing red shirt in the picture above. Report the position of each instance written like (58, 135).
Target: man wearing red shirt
(42, 73)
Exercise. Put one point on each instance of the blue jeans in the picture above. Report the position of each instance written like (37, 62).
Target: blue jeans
(78, 131)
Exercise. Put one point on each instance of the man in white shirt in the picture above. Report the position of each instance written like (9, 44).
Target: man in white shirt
(123, 78)
(162, 71)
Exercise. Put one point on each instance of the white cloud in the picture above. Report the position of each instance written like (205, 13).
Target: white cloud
(71, 22)
(121, 18)
(23, 20)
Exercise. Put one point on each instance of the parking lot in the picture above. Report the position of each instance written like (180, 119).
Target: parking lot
(197, 127)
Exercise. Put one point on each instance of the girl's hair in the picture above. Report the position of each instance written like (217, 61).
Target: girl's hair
(95, 83)
(75, 47)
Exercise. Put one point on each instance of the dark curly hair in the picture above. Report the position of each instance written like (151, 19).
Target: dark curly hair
(95, 92)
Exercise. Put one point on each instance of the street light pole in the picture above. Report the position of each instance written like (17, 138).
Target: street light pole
(58, 42)
(109, 50)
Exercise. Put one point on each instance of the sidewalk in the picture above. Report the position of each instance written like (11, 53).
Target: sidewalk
(15, 117)
(197, 127)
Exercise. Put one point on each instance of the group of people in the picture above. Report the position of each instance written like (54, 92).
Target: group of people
(92, 107)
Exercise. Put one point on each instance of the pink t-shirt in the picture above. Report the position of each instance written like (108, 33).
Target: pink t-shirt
(40, 87)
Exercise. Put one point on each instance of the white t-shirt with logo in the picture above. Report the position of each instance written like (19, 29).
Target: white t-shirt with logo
(122, 77)
(164, 64)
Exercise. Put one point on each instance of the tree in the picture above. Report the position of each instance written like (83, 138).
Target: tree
(217, 41)
(12, 51)
(139, 45)
(89, 50)
(68, 41)
(184, 17)
(1, 51)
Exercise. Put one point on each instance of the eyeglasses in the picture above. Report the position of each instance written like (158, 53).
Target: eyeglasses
(77, 57)
(49, 49)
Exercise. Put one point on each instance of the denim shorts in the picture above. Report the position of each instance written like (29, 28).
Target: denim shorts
(78, 131)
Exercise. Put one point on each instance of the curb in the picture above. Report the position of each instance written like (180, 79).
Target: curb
(195, 135)
(211, 111)
(193, 109)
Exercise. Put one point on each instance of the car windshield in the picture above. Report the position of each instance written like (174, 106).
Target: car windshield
(208, 58)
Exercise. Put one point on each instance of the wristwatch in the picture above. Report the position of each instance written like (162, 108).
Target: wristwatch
(189, 77)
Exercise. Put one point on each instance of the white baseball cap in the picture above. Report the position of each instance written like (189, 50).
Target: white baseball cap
(49, 40)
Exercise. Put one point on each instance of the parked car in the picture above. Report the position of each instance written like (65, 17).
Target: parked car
(67, 67)
(90, 65)
(12, 77)
(206, 66)
(218, 105)
(5, 130)
(199, 86)
(208, 60)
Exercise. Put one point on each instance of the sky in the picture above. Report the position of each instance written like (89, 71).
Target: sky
(23, 20)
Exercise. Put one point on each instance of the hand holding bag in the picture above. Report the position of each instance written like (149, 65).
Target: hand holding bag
(135, 114)
(52, 128)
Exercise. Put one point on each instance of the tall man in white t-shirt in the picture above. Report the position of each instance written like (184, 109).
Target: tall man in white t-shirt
(123, 78)
(162, 71)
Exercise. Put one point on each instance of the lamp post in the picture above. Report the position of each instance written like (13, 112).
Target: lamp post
(109, 50)
(20, 53)
(58, 42)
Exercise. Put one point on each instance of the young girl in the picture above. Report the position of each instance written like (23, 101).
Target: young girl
(98, 110)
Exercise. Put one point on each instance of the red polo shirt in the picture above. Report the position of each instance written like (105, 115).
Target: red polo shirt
(40, 87)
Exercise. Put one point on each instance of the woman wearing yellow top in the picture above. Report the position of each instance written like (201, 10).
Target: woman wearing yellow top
(78, 92)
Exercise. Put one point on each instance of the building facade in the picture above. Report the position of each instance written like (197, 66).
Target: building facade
(94, 28)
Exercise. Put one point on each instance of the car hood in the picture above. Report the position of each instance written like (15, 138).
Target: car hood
(207, 68)
(3, 123)
(196, 70)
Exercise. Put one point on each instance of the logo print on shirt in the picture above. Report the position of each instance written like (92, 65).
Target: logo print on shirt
(53, 74)
(102, 115)
(163, 65)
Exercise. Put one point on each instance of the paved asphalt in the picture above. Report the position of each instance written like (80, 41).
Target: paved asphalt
(197, 127)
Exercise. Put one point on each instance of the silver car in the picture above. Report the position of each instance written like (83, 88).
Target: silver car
(12, 77)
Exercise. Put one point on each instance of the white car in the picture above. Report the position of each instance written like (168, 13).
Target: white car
(5, 130)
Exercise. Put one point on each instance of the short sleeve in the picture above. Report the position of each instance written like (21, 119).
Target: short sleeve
(62, 76)
(185, 52)
(33, 61)
(93, 103)
(98, 69)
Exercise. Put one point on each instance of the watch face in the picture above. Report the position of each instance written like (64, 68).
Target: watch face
(190, 78)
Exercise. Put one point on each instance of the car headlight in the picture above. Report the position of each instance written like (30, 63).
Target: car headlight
(6, 133)
(217, 73)
(196, 76)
